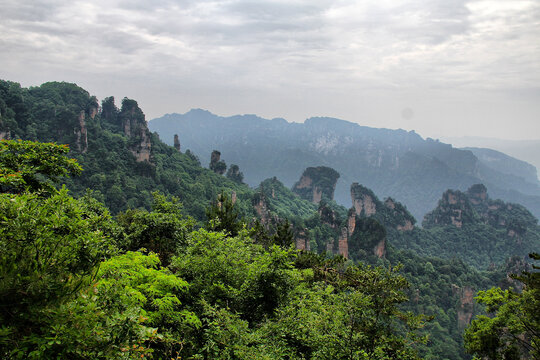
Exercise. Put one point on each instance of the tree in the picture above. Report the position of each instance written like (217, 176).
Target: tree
(353, 313)
(33, 167)
(512, 331)
(162, 230)
(50, 249)
(222, 215)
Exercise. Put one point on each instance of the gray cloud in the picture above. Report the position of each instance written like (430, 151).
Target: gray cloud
(293, 59)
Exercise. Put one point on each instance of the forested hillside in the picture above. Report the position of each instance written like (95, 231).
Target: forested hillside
(223, 270)
(393, 163)
(123, 162)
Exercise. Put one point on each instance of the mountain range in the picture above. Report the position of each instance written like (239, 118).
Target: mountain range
(393, 163)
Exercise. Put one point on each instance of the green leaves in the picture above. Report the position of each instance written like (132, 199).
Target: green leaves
(27, 166)
(512, 331)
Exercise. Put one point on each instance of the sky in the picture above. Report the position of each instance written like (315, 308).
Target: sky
(441, 68)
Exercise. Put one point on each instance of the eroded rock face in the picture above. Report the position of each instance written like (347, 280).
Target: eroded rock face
(135, 127)
(408, 226)
(343, 243)
(403, 220)
(82, 134)
(93, 112)
(143, 150)
(453, 209)
(380, 249)
(363, 200)
(477, 193)
(176, 142)
(466, 304)
(261, 208)
(216, 164)
(317, 183)
(301, 240)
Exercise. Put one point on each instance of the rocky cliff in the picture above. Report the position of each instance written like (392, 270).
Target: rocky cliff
(135, 127)
(454, 208)
(176, 143)
(391, 214)
(466, 303)
(317, 183)
(393, 163)
(216, 164)
(130, 120)
(475, 206)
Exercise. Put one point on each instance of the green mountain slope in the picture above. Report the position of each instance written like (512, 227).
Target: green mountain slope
(123, 162)
(393, 163)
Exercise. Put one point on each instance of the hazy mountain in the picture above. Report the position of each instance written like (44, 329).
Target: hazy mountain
(526, 150)
(393, 163)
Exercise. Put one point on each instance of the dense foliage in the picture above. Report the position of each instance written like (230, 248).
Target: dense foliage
(512, 331)
(72, 289)
(151, 282)
(106, 144)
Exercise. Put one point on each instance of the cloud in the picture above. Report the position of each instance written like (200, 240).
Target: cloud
(281, 49)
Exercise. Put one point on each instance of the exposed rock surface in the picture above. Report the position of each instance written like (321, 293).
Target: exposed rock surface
(466, 304)
(363, 200)
(454, 208)
(474, 206)
(134, 126)
(216, 164)
(401, 218)
(301, 240)
(317, 183)
(176, 142)
(81, 133)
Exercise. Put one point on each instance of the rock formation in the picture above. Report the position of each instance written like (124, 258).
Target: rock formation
(466, 304)
(363, 200)
(81, 133)
(261, 208)
(176, 143)
(317, 183)
(301, 240)
(474, 206)
(402, 219)
(134, 126)
(216, 164)
(454, 208)
(235, 174)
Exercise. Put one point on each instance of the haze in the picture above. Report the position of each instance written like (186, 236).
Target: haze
(442, 68)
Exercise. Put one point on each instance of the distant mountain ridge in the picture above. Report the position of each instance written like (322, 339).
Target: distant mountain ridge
(526, 150)
(394, 163)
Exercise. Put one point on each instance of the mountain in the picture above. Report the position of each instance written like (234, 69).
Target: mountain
(526, 150)
(508, 165)
(464, 246)
(123, 162)
(393, 163)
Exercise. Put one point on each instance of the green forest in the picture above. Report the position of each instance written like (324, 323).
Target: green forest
(117, 246)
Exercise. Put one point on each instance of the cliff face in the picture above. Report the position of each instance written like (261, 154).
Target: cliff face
(465, 309)
(475, 207)
(454, 208)
(176, 142)
(134, 126)
(391, 214)
(317, 183)
(216, 164)
(81, 133)
(363, 200)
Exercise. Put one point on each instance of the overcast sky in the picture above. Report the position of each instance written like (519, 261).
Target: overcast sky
(440, 67)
